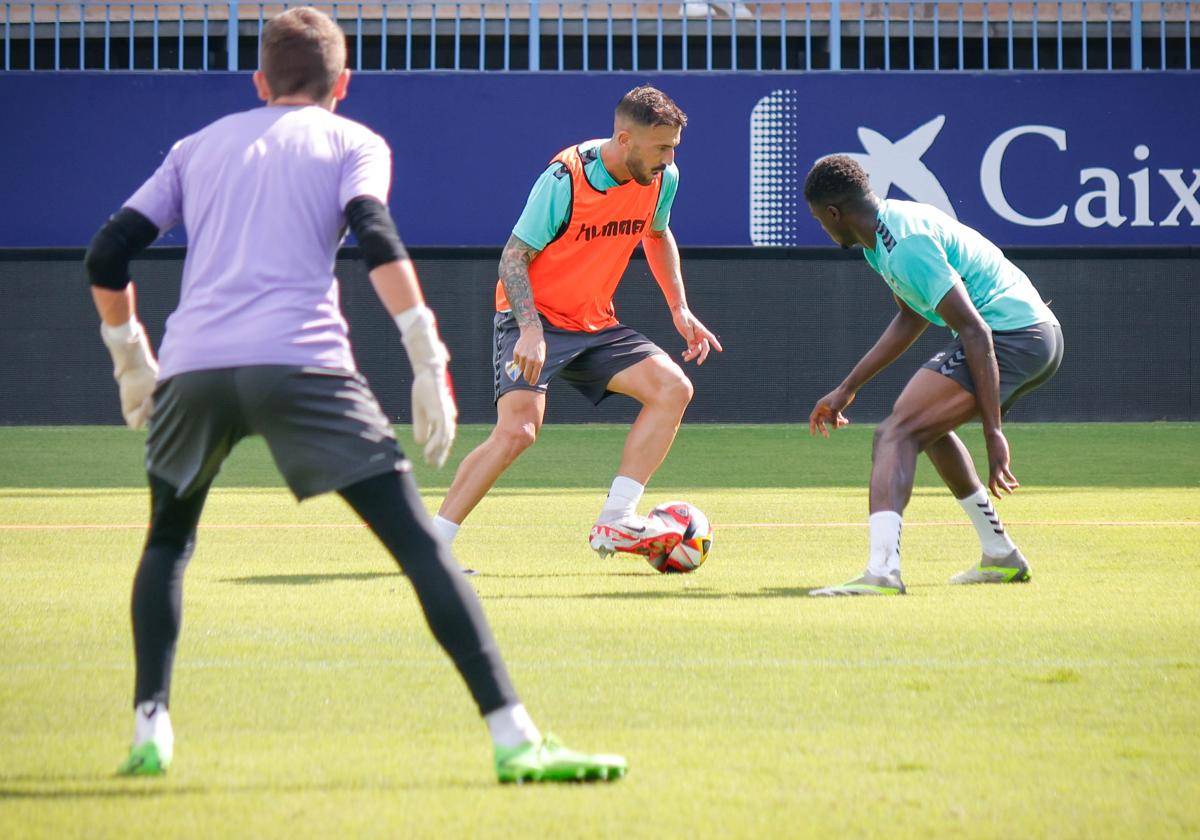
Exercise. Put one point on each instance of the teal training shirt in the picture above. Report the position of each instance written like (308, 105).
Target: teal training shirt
(549, 201)
(921, 253)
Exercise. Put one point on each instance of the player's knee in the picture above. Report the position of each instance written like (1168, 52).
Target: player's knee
(892, 430)
(168, 534)
(515, 438)
(927, 437)
(684, 391)
(674, 392)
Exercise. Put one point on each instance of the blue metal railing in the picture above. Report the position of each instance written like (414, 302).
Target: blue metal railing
(636, 35)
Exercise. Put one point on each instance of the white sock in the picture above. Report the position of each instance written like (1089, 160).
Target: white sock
(983, 516)
(885, 543)
(512, 726)
(622, 500)
(446, 529)
(152, 722)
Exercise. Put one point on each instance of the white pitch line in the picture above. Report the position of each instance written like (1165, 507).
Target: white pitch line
(1158, 523)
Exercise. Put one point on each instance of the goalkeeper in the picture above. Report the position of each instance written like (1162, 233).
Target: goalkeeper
(258, 345)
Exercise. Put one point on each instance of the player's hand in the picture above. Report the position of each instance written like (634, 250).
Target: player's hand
(529, 356)
(829, 410)
(1000, 477)
(135, 370)
(700, 340)
(435, 414)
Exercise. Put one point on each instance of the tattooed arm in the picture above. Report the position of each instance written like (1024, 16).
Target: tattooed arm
(530, 353)
(514, 274)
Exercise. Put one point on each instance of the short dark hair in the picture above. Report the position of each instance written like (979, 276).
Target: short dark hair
(303, 51)
(836, 179)
(649, 106)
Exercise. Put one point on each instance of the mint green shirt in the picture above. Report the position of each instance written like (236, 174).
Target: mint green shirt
(549, 203)
(921, 253)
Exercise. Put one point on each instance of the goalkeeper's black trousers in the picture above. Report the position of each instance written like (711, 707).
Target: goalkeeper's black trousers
(391, 506)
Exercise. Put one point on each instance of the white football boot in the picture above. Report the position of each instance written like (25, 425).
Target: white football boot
(645, 536)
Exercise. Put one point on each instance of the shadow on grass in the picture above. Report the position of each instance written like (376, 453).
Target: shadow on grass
(126, 791)
(502, 576)
(306, 580)
(782, 592)
(1059, 676)
(802, 591)
(641, 595)
(692, 592)
(116, 787)
(704, 592)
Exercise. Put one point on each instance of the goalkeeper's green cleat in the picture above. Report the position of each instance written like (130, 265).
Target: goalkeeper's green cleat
(146, 759)
(550, 761)
(1010, 569)
(868, 584)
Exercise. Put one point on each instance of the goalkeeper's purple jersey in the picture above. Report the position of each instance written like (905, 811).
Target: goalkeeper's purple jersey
(262, 194)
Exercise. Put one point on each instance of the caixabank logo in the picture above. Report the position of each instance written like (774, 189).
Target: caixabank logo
(1011, 178)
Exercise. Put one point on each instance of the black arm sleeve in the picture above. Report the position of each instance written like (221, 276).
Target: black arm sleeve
(124, 234)
(372, 226)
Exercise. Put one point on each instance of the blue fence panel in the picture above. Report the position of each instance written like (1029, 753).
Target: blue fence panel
(734, 35)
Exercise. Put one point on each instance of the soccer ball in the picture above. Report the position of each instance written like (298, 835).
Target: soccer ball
(693, 547)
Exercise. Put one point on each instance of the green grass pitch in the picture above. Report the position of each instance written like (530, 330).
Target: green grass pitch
(310, 701)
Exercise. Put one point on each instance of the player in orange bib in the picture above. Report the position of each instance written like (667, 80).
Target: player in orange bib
(586, 214)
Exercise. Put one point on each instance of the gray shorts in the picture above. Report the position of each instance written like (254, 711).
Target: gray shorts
(324, 427)
(587, 361)
(1026, 357)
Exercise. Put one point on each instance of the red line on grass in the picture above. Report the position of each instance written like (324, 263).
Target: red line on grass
(1174, 523)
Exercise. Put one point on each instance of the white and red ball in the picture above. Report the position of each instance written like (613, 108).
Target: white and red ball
(693, 547)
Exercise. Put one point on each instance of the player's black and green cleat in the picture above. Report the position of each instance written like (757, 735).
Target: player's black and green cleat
(866, 585)
(1011, 569)
(146, 759)
(550, 761)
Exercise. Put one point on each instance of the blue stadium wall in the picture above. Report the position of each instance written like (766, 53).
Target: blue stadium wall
(1027, 158)
(1088, 180)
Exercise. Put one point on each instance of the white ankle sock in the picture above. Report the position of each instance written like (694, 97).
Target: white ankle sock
(622, 499)
(885, 543)
(446, 529)
(152, 722)
(512, 726)
(983, 516)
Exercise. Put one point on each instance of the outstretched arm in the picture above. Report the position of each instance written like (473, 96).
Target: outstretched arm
(905, 328)
(960, 314)
(394, 277)
(663, 256)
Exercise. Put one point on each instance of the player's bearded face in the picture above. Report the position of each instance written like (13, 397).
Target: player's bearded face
(640, 171)
(650, 151)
